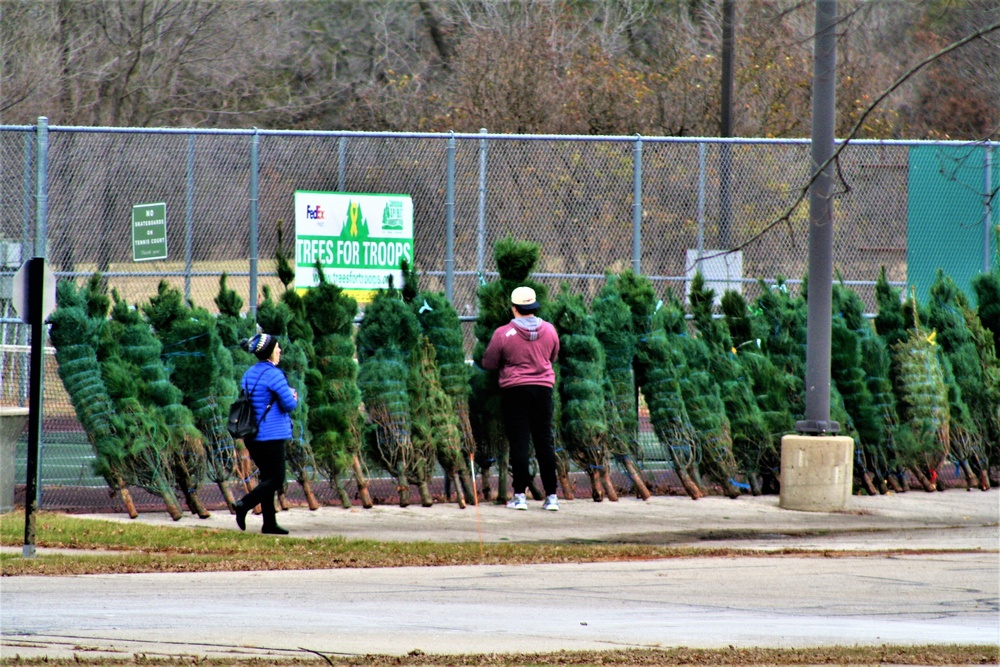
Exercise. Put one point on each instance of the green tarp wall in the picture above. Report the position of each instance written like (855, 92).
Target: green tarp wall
(946, 221)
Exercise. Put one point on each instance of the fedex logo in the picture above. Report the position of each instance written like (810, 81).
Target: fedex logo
(315, 213)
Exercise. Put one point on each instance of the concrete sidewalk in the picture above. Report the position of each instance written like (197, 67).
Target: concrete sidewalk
(955, 519)
(946, 590)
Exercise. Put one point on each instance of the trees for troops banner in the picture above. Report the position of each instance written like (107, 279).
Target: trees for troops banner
(358, 239)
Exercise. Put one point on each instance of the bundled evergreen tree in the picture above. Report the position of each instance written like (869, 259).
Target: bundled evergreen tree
(334, 398)
(386, 341)
(968, 393)
(986, 349)
(875, 412)
(774, 389)
(191, 351)
(136, 345)
(280, 320)
(662, 364)
(440, 325)
(918, 379)
(849, 377)
(515, 261)
(74, 335)
(147, 452)
(750, 441)
(434, 425)
(613, 319)
(583, 424)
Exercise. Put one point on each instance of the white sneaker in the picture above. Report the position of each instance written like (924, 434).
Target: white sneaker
(518, 502)
(551, 503)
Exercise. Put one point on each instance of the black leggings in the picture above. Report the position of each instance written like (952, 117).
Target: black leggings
(527, 418)
(269, 457)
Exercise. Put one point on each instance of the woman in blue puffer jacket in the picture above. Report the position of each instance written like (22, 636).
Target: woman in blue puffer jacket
(272, 401)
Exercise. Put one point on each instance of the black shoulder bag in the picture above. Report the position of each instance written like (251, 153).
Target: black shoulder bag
(242, 423)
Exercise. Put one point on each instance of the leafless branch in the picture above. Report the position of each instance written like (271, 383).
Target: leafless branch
(785, 218)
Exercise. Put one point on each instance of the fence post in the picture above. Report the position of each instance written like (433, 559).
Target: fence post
(341, 163)
(254, 168)
(449, 221)
(35, 277)
(189, 219)
(637, 204)
(701, 201)
(987, 204)
(41, 185)
(481, 228)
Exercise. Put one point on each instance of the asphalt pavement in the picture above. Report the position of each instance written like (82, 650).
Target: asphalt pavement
(921, 568)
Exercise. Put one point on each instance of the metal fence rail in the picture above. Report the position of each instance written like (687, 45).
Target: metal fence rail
(593, 204)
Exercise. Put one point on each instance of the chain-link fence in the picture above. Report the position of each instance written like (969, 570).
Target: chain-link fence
(593, 204)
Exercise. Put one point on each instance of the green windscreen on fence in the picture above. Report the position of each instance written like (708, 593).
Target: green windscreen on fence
(946, 222)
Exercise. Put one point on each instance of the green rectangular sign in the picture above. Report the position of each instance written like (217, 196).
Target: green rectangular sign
(358, 238)
(149, 232)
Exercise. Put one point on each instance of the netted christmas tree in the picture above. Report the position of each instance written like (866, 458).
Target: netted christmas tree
(922, 438)
(386, 341)
(662, 364)
(515, 261)
(774, 389)
(583, 425)
(334, 398)
(143, 433)
(191, 351)
(433, 423)
(280, 320)
(986, 350)
(74, 333)
(969, 397)
(136, 345)
(613, 320)
(986, 288)
(637, 293)
(849, 378)
(749, 441)
(865, 356)
(445, 369)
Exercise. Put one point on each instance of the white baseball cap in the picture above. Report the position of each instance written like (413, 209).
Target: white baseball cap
(524, 298)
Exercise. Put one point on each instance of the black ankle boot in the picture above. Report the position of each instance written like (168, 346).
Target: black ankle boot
(274, 529)
(241, 514)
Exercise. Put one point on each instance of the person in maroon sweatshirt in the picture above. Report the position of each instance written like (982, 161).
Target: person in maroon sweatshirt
(523, 351)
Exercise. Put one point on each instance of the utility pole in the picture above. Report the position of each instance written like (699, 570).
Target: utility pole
(819, 325)
(726, 127)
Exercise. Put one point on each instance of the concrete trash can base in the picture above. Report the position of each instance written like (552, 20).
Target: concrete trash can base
(12, 421)
(817, 472)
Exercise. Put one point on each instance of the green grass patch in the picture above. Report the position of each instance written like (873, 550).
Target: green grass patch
(109, 546)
